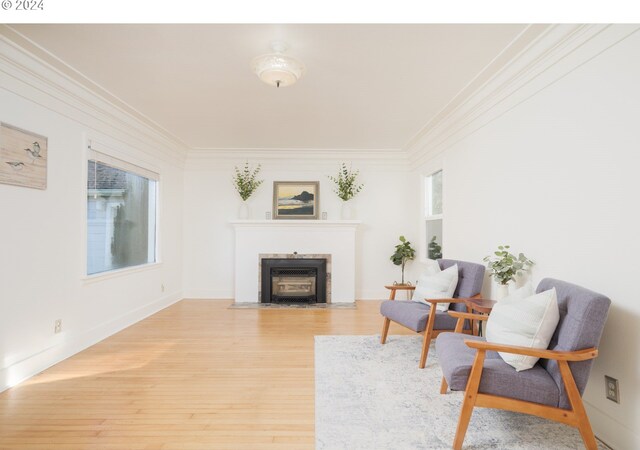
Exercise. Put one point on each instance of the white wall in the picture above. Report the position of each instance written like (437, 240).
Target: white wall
(556, 176)
(211, 201)
(42, 253)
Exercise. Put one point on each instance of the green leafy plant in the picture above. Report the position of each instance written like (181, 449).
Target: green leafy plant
(246, 181)
(346, 183)
(404, 252)
(505, 266)
(435, 249)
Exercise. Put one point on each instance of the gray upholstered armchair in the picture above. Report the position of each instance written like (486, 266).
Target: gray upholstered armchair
(426, 319)
(552, 388)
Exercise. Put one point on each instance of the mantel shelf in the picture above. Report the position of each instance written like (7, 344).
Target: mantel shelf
(294, 222)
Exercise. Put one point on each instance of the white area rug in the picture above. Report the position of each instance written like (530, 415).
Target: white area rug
(372, 396)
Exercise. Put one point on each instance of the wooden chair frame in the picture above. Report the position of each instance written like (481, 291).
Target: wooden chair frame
(429, 333)
(575, 417)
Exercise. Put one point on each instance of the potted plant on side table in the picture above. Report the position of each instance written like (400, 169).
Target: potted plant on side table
(404, 252)
(504, 267)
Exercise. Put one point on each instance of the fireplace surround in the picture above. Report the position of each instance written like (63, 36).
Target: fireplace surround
(333, 240)
(293, 280)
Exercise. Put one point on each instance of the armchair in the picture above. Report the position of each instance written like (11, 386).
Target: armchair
(426, 319)
(553, 388)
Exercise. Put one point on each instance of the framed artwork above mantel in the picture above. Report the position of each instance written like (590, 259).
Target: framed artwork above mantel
(296, 199)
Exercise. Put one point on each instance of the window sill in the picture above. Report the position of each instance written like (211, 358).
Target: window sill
(87, 279)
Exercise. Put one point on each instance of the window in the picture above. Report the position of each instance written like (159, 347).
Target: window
(433, 214)
(121, 214)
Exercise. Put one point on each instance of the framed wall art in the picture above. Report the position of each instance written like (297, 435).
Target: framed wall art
(23, 157)
(296, 199)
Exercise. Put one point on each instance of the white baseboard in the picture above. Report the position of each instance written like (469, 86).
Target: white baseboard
(69, 344)
(209, 294)
(610, 431)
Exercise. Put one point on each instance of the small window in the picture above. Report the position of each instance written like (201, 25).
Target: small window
(121, 215)
(433, 214)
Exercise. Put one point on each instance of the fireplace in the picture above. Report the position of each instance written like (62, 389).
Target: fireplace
(293, 280)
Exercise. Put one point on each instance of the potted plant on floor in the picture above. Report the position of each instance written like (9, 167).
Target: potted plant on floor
(246, 183)
(504, 267)
(347, 187)
(404, 252)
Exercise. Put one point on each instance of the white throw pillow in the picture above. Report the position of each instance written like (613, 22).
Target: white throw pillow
(525, 322)
(435, 284)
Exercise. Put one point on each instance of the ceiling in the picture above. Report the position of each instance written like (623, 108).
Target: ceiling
(366, 86)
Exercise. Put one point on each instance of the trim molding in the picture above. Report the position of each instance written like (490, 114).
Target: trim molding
(610, 431)
(207, 159)
(540, 56)
(68, 344)
(41, 77)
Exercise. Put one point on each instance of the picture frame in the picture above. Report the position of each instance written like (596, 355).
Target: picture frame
(296, 200)
(23, 157)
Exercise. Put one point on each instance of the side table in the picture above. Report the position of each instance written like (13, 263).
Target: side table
(481, 305)
(398, 287)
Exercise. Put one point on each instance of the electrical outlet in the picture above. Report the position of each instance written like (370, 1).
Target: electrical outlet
(57, 326)
(613, 389)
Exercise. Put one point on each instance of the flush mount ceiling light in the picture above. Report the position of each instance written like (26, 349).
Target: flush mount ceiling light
(278, 69)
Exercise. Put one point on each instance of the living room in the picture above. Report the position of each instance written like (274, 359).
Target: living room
(456, 138)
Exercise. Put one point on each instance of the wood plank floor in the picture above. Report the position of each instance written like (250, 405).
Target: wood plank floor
(196, 375)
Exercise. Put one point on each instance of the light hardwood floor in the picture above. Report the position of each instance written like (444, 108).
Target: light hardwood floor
(196, 375)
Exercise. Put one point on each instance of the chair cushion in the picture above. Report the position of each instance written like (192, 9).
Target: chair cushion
(498, 378)
(414, 315)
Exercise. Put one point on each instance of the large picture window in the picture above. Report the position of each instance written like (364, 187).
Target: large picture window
(433, 214)
(121, 215)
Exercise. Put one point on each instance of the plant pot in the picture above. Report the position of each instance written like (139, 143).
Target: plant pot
(502, 291)
(347, 210)
(243, 211)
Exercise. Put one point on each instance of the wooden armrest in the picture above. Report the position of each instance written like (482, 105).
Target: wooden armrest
(577, 355)
(470, 316)
(444, 300)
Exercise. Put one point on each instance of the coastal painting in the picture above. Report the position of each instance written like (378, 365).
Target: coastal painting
(23, 157)
(295, 199)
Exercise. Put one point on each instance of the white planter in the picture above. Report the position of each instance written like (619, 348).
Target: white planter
(502, 290)
(243, 211)
(347, 211)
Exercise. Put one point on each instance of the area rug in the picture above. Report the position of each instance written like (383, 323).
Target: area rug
(372, 396)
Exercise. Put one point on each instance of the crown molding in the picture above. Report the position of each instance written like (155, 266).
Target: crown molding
(206, 158)
(540, 56)
(43, 78)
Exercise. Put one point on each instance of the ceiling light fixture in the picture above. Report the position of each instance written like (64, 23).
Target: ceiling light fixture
(278, 69)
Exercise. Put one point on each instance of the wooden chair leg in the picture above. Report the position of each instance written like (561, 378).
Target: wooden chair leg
(426, 342)
(577, 406)
(444, 386)
(385, 330)
(470, 395)
(428, 332)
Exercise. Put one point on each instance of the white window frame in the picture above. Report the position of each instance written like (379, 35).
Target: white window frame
(426, 207)
(114, 155)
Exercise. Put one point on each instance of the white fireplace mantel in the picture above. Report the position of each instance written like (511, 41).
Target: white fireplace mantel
(334, 237)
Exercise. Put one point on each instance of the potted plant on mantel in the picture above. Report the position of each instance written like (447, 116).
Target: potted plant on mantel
(504, 267)
(404, 252)
(246, 183)
(346, 188)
